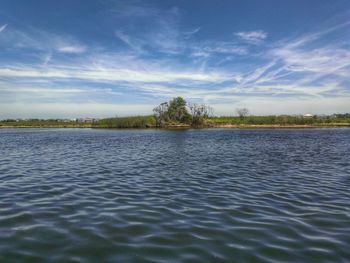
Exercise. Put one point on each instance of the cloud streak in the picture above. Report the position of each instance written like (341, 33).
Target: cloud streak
(154, 57)
(252, 37)
(291, 71)
(111, 75)
(40, 40)
(71, 49)
(3, 27)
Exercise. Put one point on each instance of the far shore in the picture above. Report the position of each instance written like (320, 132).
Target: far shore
(184, 126)
(192, 121)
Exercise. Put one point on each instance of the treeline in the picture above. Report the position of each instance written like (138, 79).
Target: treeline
(174, 113)
(178, 113)
(281, 120)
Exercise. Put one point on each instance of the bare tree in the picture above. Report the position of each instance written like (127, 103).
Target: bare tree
(199, 113)
(210, 111)
(161, 112)
(242, 112)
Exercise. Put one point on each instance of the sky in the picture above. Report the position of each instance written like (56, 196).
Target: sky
(84, 58)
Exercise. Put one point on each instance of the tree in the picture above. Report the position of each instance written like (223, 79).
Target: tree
(174, 111)
(200, 112)
(161, 113)
(177, 109)
(242, 112)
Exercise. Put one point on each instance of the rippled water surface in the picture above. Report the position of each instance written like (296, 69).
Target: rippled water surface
(174, 196)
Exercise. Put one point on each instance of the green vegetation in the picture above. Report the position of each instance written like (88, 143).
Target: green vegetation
(172, 112)
(282, 120)
(39, 123)
(200, 114)
(177, 113)
(127, 122)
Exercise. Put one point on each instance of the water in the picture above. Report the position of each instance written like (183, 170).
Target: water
(174, 196)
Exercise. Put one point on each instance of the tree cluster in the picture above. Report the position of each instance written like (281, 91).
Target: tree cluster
(242, 112)
(200, 112)
(176, 111)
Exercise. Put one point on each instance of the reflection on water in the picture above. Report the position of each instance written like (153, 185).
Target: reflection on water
(180, 196)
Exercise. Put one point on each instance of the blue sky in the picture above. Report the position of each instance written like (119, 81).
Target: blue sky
(107, 58)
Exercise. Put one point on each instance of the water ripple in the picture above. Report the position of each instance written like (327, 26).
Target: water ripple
(174, 196)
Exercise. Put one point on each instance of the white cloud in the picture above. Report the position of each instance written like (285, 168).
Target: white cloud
(324, 60)
(257, 74)
(281, 78)
(159, 79)
(71, 110)
(160, 27)
(2, 28)
(46, 58)
(40, 40)
(258, 106)
(127, 75)
(71, 49)
(290, 105)
(189, 34)
(220, 47)
(133, 43)
(298, 65)
(253, 37)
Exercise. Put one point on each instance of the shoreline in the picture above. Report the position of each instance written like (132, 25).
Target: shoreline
(179, 127)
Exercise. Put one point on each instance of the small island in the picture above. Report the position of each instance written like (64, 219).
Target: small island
(178, 114)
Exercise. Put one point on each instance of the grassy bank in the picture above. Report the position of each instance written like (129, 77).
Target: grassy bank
(43, 124)
(212, 122)
(279, 121)
(126, 122)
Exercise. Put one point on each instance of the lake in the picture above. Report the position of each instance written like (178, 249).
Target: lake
(211, 195)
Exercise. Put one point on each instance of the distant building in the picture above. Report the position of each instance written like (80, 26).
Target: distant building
(308, 115)
(87, 120)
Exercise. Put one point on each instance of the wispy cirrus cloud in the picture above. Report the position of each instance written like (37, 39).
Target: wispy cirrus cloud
(2, 28)
(141, 25)
(291, 70)
(208, 48)
(190, 33)
(132, 42)
(126, 75)
(252, 37)
(40, 40)
(304, 61)
(152, 56)
(71, 49)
